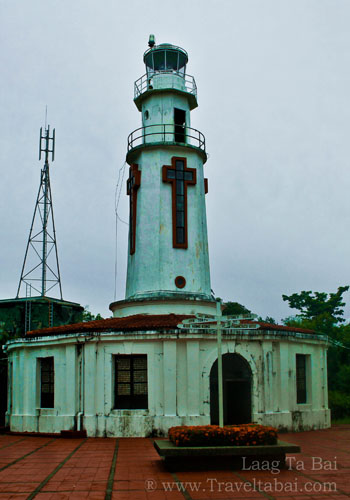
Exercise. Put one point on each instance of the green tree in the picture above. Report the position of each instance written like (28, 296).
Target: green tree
(321, 305)
(88, 316)
(323, 313)
(231, 308)
(268, 319)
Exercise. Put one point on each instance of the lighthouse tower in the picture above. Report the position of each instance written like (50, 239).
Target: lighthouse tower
(168, 262)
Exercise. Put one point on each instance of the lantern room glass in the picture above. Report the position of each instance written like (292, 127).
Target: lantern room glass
(165, 59)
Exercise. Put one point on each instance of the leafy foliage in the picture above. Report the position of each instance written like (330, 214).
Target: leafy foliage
(323, 313)
(339, 402)
(231, 308)
(268, 319)
(88, 316)
(321, 305)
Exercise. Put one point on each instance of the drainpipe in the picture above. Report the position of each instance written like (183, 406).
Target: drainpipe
(79, 415)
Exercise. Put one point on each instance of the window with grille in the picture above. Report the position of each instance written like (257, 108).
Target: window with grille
(301, 378)
(47, 383)
(131, 390)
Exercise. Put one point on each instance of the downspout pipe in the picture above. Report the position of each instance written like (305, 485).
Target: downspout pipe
(79, 419)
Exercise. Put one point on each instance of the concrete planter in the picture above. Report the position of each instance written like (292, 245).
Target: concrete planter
(260, 457)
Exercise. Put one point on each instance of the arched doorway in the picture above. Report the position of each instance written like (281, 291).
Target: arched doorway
(237, 382)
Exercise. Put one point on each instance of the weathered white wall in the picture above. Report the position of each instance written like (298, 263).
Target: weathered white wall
(178, 382)
(160, 108)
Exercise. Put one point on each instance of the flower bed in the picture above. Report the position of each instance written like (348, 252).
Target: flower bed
(229, 435)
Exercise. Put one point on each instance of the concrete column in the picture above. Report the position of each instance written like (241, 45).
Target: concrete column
(316, 383)
(268, 378)
(108, 379)
(89, 381)
(169, 376)
(193, 378)
(100, 391)
(70, 403)
(157, 382)
(19, 387)
(285, 377)
(276, 374)
(259, 382)
(27, 382)
(182, 383)
(9, 388)
(325, 380)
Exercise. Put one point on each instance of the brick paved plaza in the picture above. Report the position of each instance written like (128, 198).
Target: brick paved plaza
(48, 468)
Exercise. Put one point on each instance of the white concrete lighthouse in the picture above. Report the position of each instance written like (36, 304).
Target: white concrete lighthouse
(147, 369)
(168, 262)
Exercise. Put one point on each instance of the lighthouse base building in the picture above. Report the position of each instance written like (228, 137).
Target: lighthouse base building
(139, 373)
(73, 377)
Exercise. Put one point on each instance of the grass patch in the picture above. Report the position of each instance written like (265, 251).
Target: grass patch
(338, 421)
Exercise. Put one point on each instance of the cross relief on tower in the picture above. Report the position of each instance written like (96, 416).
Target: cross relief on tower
(179, 176)
(132, 185)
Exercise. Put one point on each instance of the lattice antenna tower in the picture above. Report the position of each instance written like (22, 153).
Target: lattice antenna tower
(40, 271)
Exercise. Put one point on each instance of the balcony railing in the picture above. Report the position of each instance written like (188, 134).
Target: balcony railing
(182, 82)
(166, 133)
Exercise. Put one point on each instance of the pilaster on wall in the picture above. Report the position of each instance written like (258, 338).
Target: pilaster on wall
(18, 373)
(27, 383)
(169, 376)
(318, 384)
(182, 379)
(156, 380)
(71, 380)
(100, 392)
(193, 378)
(325, 380)
(285, 378)
(267, 376)
(276, 370)
(90, 378)
(108, 400)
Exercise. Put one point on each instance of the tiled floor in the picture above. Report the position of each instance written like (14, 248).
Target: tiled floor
(130, 469)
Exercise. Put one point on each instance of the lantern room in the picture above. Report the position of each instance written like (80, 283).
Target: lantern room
(165, 71)
(165, 58)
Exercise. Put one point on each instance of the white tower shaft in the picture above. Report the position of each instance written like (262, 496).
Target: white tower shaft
(168, 261)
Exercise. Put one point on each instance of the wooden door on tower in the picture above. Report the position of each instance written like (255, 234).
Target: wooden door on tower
(237, 382)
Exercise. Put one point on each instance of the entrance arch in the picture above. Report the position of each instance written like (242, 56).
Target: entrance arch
(237, 383)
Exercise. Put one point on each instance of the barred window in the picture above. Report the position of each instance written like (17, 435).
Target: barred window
(131, 389)
(47, 383)
(301, 378)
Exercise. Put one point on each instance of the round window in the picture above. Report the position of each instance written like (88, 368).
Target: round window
(180, 281)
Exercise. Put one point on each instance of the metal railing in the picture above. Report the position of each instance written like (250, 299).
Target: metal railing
(145, 83)
(166, 133)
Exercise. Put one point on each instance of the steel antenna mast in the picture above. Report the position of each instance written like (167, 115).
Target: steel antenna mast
(42, 237)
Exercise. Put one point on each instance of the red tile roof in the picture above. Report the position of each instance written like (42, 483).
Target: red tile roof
(140, 322)
(137, 322)
(271, 326)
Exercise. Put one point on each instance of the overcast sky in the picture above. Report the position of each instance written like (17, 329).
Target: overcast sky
(273, 90)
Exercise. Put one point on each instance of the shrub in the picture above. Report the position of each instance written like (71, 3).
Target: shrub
(230, 435)
(339, 403)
